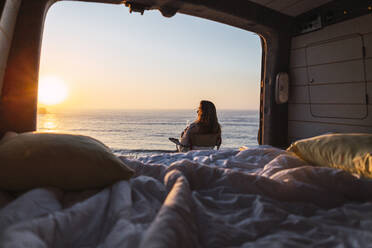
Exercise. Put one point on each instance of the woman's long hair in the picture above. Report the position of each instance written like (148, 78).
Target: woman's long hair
(207, 118)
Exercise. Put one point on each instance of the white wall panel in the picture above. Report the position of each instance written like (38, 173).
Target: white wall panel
(369, 69)
(298, 94)
(354, 26)
(327, 93)
(298, 76)
(341, 78)
(298, 58)
(341, 93)
(342, 111)
(301, 112)
(308, 129)
(351, 71)
(334, 51)
(368, 40)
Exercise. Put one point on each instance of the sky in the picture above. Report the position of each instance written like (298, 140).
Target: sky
(111, 59)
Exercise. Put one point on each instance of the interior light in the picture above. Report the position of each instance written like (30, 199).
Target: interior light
(345, 12)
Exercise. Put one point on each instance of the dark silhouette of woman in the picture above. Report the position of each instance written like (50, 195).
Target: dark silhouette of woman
(206, 126)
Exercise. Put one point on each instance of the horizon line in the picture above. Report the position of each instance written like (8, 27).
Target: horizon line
(111, 109)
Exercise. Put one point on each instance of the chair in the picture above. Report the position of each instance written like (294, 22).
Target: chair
(204, 141)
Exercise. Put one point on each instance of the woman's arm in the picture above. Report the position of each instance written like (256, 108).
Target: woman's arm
(219, 141)
(186, 134)
(185, 138)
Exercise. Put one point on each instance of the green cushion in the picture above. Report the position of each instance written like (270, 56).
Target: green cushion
(69, 162)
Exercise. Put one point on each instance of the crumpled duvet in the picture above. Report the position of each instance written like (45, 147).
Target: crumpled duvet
(260, 197)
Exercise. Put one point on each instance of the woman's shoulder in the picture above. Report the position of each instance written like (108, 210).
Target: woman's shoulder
(193, 126)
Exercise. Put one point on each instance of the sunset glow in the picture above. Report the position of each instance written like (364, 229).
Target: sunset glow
(52, 91)
(103, 54)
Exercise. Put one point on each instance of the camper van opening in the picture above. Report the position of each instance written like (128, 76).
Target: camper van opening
(137, 80)
(134, 80)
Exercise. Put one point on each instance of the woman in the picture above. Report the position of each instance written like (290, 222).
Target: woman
(206, 123)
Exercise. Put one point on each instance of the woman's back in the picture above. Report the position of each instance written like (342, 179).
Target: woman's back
(206, 127)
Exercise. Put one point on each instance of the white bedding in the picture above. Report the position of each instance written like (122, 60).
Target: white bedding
(260, 197)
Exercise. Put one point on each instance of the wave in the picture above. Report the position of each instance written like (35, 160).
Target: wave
(128, 151)
(95, 130)
(239, 124)
(153, 123)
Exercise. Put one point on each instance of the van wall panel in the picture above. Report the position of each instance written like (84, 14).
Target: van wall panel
(369, 69)
(298, 58)
(335, 51)
(298, 76)
(344, 72)
(339, 93)
(299, 94)
(300, 130)
(339, 111)
(334, 60)
(368, 44)
(301, 112)
(354, 26)
(303, 40)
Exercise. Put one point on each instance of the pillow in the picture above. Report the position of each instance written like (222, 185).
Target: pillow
(8, 135)
(351, 152)
(69, 162)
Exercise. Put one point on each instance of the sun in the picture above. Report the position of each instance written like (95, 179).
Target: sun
(52, 91)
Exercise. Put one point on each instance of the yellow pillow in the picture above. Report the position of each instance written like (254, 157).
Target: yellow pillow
(69, 162)
(351, 152)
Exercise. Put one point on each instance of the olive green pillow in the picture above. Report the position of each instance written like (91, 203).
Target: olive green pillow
(69, 162)
(351, 152)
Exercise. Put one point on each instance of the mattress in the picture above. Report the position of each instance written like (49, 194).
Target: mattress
(259, 197)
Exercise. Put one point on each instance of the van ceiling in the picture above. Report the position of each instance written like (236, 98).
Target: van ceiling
(291, 7)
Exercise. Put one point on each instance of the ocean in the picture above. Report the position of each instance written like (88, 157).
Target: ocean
(144, 132)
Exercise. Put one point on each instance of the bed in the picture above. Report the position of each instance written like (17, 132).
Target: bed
(257, 197)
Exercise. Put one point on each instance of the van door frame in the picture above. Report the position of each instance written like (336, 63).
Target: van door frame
(18, 104)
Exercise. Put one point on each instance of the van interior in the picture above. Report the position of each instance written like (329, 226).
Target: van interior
(316, 79)
(322, 46)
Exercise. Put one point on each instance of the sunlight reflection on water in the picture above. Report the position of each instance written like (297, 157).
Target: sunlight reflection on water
(47, 123)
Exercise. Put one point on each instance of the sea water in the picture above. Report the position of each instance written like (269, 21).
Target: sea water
(143, 132)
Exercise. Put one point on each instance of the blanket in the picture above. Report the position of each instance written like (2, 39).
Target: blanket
(259, 197)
